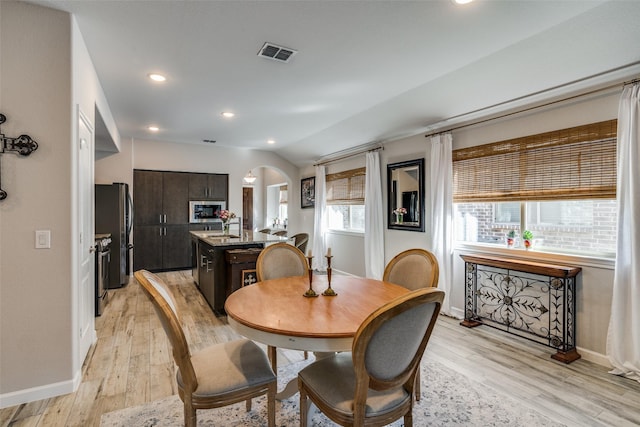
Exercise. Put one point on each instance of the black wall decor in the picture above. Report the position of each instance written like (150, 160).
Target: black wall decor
(22, 145)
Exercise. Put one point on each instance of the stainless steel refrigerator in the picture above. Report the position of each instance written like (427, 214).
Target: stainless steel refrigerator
(114, 215)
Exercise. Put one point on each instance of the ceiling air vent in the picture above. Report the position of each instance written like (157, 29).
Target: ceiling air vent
(277, 53)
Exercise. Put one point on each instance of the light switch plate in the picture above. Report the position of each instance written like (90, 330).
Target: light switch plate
(43, 239)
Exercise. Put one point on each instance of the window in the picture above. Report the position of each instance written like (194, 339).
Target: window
(282, 204)
(345, 200)
(559, 185)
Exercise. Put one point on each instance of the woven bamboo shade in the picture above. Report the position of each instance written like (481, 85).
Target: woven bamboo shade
(573, 163)
(346, 188)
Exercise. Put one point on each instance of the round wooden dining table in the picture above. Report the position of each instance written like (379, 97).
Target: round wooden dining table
(275, 312)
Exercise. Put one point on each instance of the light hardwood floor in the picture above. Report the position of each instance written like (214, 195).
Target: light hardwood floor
(131, 364)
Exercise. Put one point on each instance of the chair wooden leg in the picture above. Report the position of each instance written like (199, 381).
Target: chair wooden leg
(303, 406)
(272, 354)
(248, 405)
(190, 419)
(416, 386)
(306, 355)
(271, 404)
(408, 419)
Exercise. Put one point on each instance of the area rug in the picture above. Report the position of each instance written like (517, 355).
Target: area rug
(448, 399)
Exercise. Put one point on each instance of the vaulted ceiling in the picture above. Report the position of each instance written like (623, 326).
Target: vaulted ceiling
(363, 71)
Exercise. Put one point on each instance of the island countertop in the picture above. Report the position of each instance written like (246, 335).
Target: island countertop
(217, 238)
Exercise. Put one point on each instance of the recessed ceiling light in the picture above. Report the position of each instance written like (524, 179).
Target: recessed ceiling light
(153, 128)
(228, 114)
(271, 141)
(462, 1)
(157, 77)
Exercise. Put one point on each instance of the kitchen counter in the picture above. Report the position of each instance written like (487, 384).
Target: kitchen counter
(210, 266)
(216, 238)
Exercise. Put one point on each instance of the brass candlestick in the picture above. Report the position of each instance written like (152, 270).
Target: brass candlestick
(329, 292)
(310, 292)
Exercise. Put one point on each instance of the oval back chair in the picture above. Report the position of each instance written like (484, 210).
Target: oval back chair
(280, 260)
(373, 385)
(300, 241)
(219, 375)
(413, 269)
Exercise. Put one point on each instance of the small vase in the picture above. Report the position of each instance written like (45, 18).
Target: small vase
(510, 242)
(399, 218)
(527, 244)
(225, 228)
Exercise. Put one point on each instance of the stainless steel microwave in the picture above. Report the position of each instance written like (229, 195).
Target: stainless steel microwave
(205, 210)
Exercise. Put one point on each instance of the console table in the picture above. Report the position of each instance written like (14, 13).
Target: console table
(529, 299)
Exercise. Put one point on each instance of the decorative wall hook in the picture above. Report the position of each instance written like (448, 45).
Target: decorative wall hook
(22, 145)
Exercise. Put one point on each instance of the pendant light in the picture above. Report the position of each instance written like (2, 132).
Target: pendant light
(249, 178)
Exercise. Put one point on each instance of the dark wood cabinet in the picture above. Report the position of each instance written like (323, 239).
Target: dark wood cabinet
(206, 273)
(161, 247)
(147, 247)
(175, 197)
(213, 271)
(147, 196)
(208, 186)
(241, 268)
(176, 247)
(160, 197)
(161, 220)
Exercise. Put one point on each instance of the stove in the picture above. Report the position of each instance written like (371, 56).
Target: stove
(103, 258)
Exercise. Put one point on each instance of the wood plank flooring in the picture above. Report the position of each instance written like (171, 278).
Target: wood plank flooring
(131, 364)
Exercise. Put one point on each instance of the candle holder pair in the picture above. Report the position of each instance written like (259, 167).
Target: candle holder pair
(329, 292)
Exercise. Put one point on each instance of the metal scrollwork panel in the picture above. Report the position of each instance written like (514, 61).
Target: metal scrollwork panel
(524, 304)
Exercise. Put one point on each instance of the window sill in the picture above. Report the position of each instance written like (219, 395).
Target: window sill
(346, 232)
(534, 255)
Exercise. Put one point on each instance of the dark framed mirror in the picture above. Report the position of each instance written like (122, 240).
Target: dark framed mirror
(405, 195)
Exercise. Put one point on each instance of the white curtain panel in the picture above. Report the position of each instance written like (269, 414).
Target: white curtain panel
(320, 221)
(441, 212)
(373, 218)
(623, 341)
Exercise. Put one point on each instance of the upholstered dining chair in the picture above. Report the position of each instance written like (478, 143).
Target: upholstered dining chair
(216, 376)
(280, 233)
(373, 385)
(300, 241)
(413, 269)
(280, 260)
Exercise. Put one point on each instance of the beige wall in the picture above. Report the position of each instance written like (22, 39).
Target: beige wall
(41, 93)
(36, 284)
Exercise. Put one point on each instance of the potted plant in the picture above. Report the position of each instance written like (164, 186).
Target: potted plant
(511, 238)
(527, 238)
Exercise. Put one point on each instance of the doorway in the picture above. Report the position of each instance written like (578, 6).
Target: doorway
(247, 208)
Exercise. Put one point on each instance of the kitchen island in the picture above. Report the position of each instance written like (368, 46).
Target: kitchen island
(210, 265)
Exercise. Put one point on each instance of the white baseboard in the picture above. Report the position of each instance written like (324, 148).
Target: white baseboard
(592, 356)
(44, 391)
(40, 392)
(457, 313)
